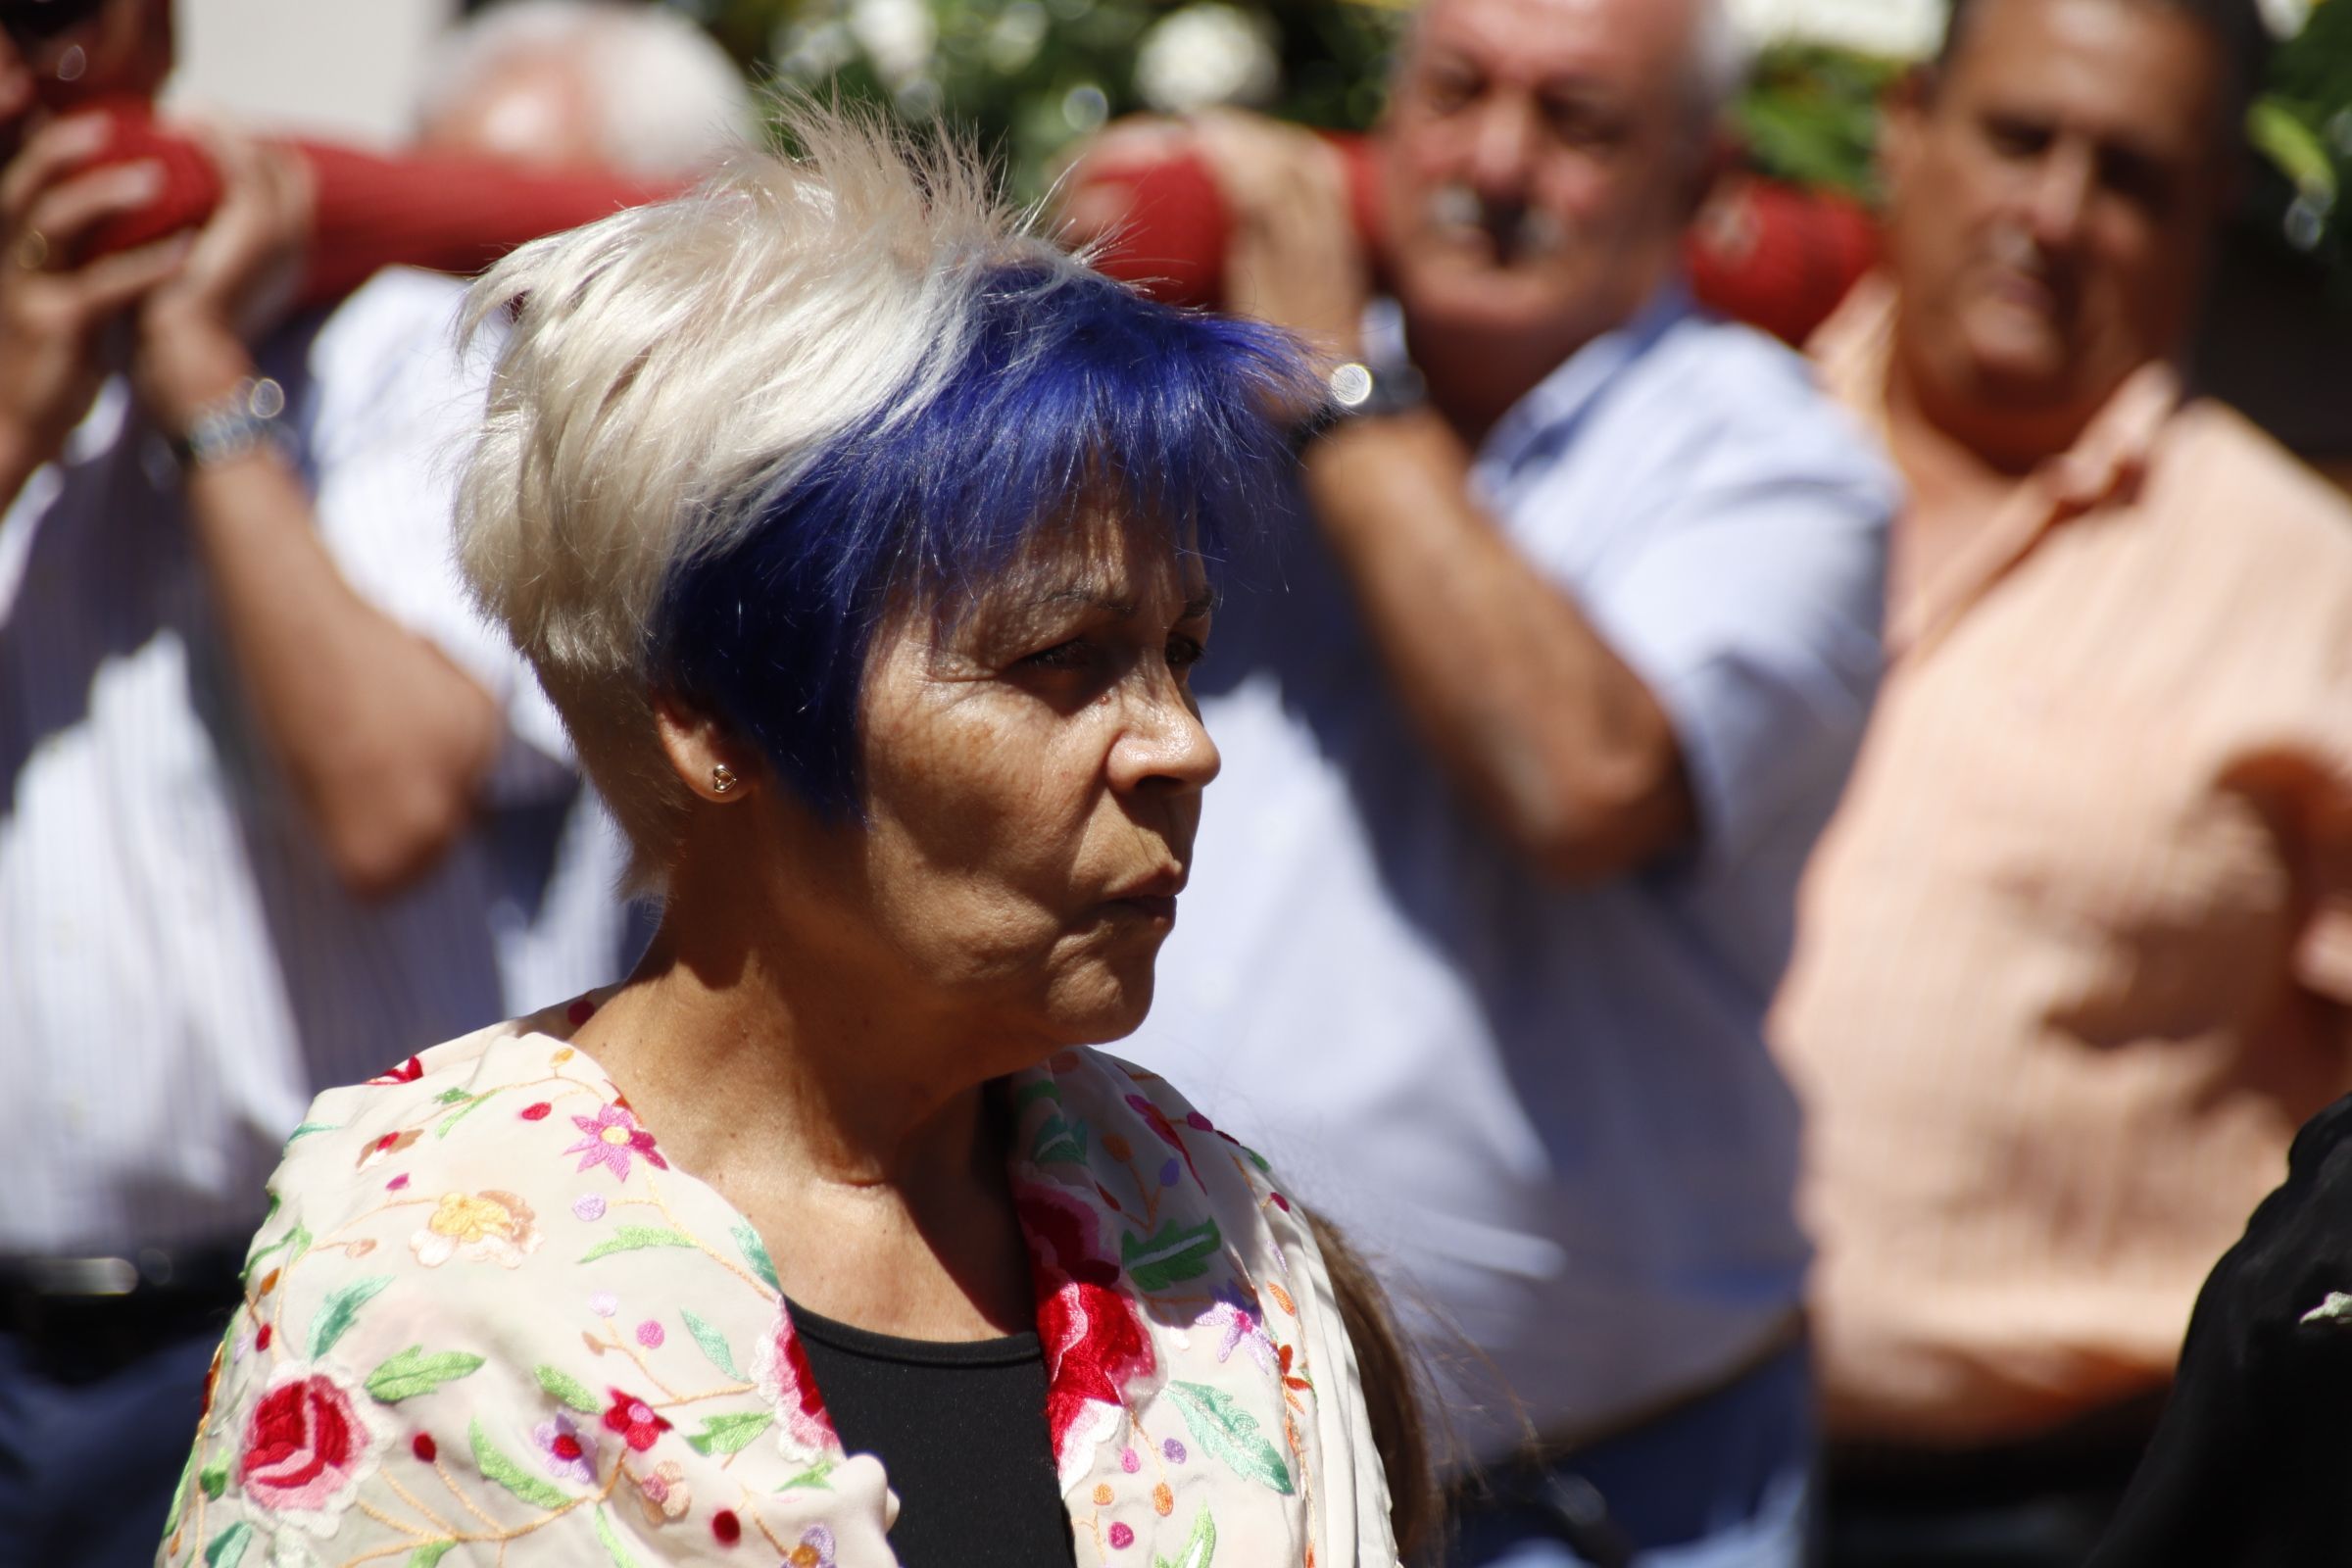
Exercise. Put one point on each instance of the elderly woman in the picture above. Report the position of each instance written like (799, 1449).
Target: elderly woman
(857, 536)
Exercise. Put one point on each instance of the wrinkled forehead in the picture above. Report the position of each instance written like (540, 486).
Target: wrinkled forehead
(1098, 556)
(1639, 44)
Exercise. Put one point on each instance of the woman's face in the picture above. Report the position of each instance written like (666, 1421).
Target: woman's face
(1033, 771)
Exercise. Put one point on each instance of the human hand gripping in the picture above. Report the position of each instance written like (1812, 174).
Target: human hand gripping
(1293, 256)
(240, 278)
(54, 315)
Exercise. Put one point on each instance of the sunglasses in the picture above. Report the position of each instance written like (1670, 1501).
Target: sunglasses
(34, 22)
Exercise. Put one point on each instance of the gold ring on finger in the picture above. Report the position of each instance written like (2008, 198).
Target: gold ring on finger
(32, 250)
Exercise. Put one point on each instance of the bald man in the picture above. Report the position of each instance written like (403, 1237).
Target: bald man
(1524, 747)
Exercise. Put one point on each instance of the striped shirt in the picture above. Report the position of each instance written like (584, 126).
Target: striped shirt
(2073, 957)
(179, 969)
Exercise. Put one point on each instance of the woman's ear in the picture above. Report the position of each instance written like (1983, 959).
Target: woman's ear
(705, 756)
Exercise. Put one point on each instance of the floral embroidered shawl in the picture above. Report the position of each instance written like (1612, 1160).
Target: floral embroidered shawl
(487, 1321)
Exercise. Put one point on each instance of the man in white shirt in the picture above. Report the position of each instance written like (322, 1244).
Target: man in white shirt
(246, 722)
(1521, 763)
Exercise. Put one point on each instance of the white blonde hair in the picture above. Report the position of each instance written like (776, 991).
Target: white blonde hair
(667, 101)
(672, 369)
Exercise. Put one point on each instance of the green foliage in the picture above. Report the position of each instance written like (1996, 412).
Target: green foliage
(1028, 79)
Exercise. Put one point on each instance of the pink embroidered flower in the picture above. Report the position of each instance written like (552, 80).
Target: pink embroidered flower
(486, 1227)
(780, 1369)
(588, 1207)
(814, 1549)
(662, 1492)
(408, 1073)
(611, 1137)
(562, 1451)
(307, 1447)
(1122, 1536)
(650, 1334)
(635, 1420)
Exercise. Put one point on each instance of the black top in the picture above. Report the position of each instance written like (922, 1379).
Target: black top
(961, 1430)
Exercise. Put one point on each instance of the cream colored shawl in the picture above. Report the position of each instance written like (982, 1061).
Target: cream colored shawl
(487, 1321)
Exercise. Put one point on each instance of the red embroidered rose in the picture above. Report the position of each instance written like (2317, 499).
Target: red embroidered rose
(634, 1420)
(1095, 1344)
(408, 1073)
(307, 1444)
(780, 1368)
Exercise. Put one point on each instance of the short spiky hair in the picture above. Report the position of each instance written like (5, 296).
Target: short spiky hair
(729, 434)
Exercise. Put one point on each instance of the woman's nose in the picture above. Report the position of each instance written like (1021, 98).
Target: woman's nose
(1164, 746)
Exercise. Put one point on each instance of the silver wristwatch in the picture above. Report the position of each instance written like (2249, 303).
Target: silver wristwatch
(234, 423)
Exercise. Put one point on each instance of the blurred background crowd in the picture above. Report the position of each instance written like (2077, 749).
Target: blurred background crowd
(1793, 904)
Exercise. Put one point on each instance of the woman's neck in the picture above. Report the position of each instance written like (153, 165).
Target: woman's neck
(837, 1126)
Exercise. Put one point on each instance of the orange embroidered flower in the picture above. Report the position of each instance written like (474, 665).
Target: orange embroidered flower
(487, 1227)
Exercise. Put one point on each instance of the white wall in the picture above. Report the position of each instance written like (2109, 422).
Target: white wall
(346, 67)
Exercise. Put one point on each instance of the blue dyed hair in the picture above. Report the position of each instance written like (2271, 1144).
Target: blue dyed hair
(1072, 395)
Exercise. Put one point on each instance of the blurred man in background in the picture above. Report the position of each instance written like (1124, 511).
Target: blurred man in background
(639, 92)
(247, 721)
(2074, 956)
(1522, 764)
(634, 90)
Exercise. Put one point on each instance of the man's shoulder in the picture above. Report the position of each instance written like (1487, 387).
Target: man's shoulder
(1733, 399)
(2234, 464)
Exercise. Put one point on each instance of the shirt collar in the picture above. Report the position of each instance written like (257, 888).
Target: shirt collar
(1853, 352)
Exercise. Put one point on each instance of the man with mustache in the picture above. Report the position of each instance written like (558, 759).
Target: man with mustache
(248, 723)
(2074, 957)
(1527, 744)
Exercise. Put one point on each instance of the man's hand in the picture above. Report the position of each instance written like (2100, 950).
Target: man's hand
(237, 280)
(53, 318)
(1291, 254)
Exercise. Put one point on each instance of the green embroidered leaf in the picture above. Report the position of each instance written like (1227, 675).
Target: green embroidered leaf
(730, 1434)
(497, 1467)
(228, 1547)
(297, 1244)
(431, 1552)
(1198, 1550)
(714, 1343)
(179, 1493)
(755, 1252)
(611, 1541)
(1257, 1159)
(1030, 1094)
(1059, 1141)
(817, 1477)
(461, 1113)
(215, 1481)
(636, 1237)
(1170, 1255)
(335, 1315)
(412, 1372)
(309, 1127)
(298, 1239)
(450, 1097)
(1222, 1427)
(570, 1389)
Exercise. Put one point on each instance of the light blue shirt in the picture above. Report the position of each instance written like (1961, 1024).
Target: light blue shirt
(1548, 1109)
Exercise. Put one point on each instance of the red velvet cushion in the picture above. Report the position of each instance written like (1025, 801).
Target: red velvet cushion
(191, 186)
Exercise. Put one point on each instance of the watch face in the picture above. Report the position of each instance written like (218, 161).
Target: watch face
(1352, 386)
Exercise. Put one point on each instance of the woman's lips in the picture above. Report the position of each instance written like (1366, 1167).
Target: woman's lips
(1150, 906)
